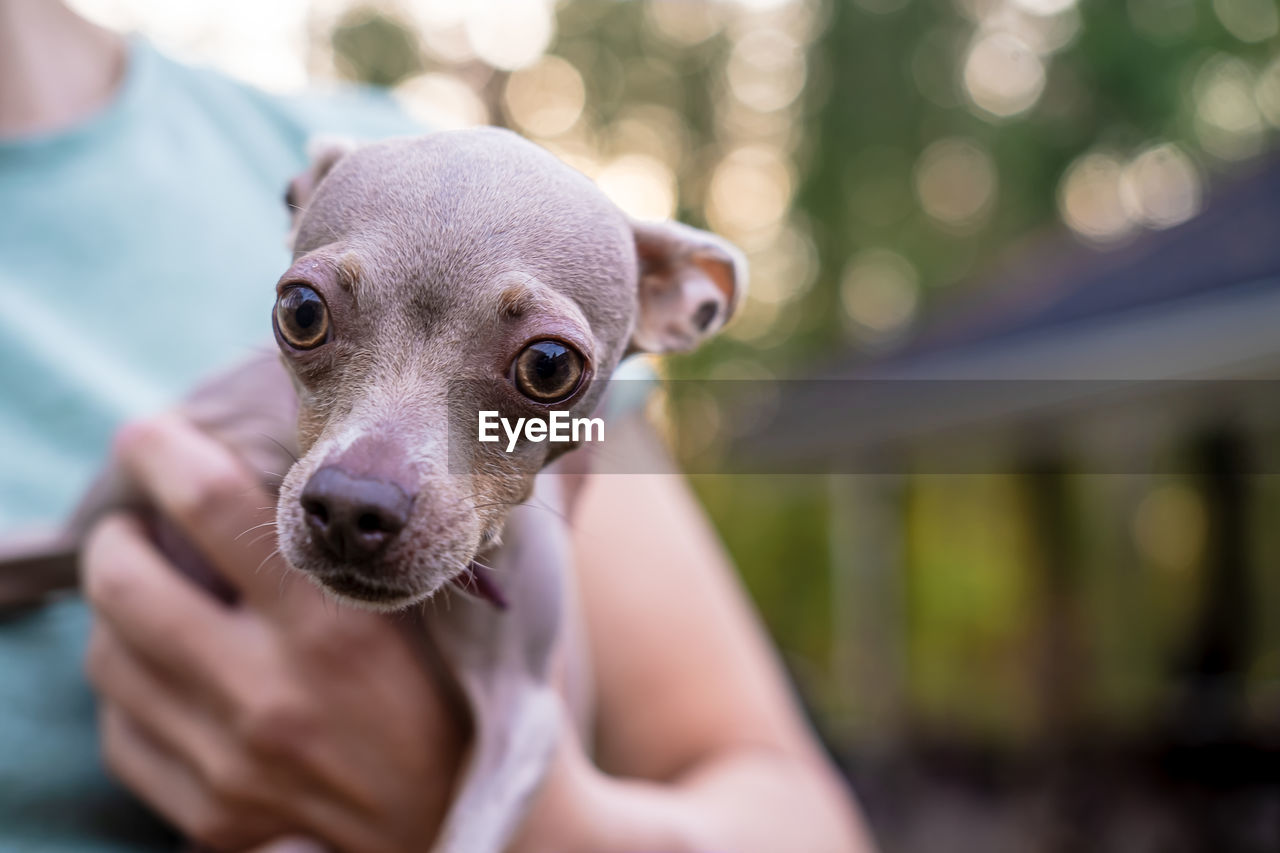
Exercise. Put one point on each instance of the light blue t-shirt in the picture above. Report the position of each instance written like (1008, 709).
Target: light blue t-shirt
(138, 253)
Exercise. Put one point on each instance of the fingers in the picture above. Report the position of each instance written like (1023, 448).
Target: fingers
(208, 765)
(174, 790)
(215, 501)
(167, 712)
(160, 615)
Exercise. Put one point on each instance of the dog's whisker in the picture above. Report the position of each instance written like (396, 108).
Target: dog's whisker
(527, 503)
(494, 569)
(545, 507)
(249, 530)
(274, 553)
(281, 445)
(261, 538)
(249, 491)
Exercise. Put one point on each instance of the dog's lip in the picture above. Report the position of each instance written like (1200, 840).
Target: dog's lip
(478, 579)
(355, 586)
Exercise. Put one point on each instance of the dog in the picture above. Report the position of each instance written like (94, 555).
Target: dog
(434, 278)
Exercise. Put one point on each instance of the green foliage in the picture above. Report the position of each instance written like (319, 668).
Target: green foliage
(374, 48)
(782, 561)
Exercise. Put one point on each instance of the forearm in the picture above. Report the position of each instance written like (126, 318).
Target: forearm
(747, 802)
(690, 692)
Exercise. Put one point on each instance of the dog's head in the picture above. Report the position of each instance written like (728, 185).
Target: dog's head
(434, 278)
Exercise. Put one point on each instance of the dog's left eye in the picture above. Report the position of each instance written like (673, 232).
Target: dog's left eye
(302, 317)
(548, 371)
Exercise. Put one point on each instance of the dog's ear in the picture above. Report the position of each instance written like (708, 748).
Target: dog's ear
(324, 152)
(690, 283)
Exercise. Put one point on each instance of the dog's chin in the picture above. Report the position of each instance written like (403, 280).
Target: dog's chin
(356, 590)
(364, 590)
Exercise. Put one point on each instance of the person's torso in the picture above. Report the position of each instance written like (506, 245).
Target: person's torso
(138, 253)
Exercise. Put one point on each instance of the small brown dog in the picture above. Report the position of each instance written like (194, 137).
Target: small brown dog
(434, 278)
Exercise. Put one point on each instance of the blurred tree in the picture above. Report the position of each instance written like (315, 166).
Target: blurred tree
(375, 48)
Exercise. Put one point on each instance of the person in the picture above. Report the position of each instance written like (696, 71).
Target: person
(142, 228)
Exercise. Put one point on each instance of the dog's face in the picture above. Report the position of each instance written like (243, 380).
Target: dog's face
(434, 278)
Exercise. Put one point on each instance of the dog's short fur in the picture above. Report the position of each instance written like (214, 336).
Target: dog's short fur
(439, 259)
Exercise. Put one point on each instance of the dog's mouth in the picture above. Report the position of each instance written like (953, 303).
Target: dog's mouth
(477, 579)
(364, 590)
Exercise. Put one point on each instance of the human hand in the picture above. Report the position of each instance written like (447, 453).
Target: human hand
(580, 809)
(283, 715)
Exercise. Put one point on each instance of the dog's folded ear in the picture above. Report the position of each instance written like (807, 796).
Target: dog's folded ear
(325, 152)
(690, 283)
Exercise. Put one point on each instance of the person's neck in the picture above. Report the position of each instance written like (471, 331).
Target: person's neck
(56, 68)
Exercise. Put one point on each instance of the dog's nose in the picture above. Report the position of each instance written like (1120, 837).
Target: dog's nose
(353, 518)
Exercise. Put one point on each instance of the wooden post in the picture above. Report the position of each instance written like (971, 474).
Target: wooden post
(868, 655)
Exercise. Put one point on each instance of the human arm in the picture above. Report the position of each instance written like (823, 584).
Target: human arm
(700, 745)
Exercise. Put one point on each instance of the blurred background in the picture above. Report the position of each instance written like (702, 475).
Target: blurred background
(1072, 643)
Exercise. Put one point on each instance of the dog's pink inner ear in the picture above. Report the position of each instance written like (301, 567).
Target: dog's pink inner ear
(690, 283)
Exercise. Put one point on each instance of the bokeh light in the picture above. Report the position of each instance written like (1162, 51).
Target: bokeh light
(509, 34)
(1090, 198)
(786, 268)
(1248, 20)
(441, 25)
(1161, 187)
(1002, 74)
(547, 98)
(1045, 7)
(642, 186)
(1267, 93)
(955, 181)
(766, 69)
(442, 101)
(650, 129)
(880, 293)
(685, 24)
(750, 190)
(1228, 122)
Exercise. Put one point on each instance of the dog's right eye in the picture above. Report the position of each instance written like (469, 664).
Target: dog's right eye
(302, 318)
